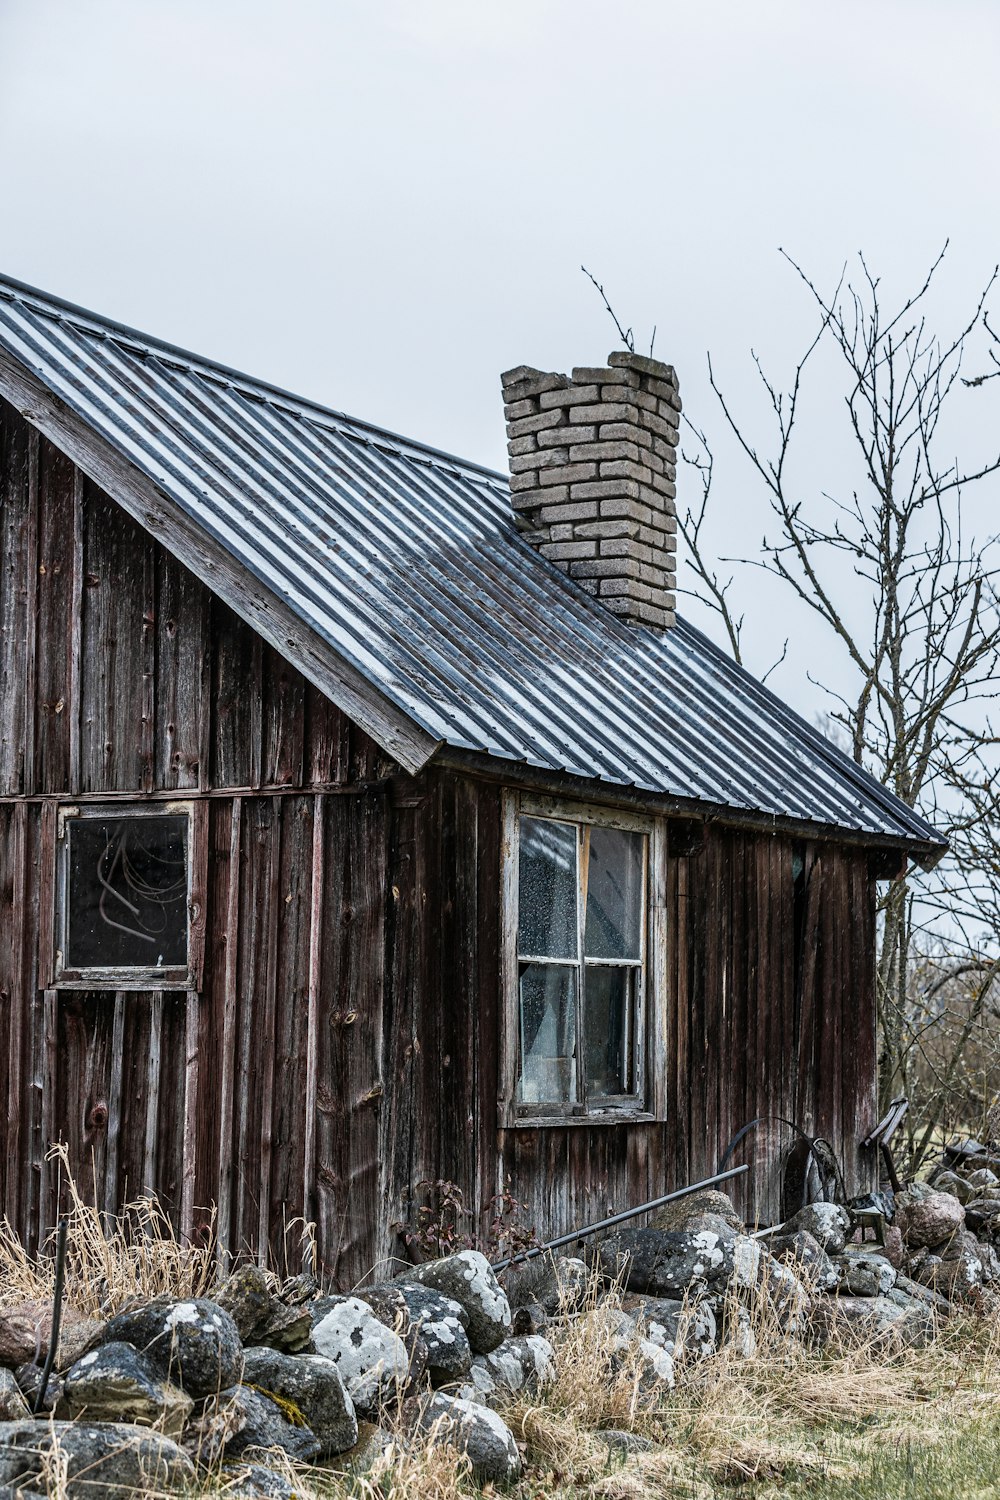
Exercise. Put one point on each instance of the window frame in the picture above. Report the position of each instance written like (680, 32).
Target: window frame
(644, 1103)
(123, 977)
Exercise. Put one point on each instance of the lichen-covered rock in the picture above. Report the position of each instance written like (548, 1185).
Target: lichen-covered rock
(804, 1255)
(877, 1322)
(982, 1178)
(111, 1460)
(25, 1329)
(262, 1317)
(191, 1341)
(29, 1381)
(518, 1364)
(951, 1182)
(313, 1384)
(116, 1383)
(468, 1279)
(863, 1274)
(677, 1215)
(246, 1297)
(958, 1272)
(928, 1219)
(666, 1263)
(828, 1223)
(252, 1420)
(373, 1360)
(558, 1284)
(675, 1326)
(13, 1407)
(440, 1322)
(474, 1430)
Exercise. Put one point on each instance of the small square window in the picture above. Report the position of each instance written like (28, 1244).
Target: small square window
(581, 935)
(122, 896)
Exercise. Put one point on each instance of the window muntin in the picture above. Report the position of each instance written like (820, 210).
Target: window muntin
(123, 892)
(581, 939)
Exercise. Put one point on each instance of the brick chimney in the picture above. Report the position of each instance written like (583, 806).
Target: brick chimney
(593, 460)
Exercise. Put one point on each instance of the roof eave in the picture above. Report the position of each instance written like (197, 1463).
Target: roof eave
(925, 853)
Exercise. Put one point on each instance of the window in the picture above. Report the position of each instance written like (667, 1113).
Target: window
(122, 896)
(580, 892)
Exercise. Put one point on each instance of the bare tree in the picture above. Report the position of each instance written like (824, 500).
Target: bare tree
(910, 599)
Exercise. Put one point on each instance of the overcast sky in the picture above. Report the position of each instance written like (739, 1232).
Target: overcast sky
(381, 204)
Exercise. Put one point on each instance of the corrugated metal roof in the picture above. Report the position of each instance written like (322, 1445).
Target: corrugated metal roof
(406, 563)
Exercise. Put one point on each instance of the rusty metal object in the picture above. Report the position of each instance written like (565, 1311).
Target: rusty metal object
(629, 1213)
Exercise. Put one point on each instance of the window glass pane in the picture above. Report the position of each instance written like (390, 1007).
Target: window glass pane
(548, 1034)
(546, 890)
(614, 894)
(608, 1019)
(127, 892)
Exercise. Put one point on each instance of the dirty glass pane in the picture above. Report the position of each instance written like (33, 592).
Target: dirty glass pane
(548, 1034)
(127, 892)
(607, 1024)
(614, 894)
(546, 890)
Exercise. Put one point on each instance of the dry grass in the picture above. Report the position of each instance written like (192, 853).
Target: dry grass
(766, 1418)
(110, 1262)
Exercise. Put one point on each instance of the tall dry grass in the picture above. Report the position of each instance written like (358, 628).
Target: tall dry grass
(111, 1261)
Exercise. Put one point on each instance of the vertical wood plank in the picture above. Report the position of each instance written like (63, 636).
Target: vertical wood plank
(317, 888)
(198, 899)
(228, 1059)
(154, 1063)
(18, 580)
(75, 678)
(191, 1102)
(112, 1198)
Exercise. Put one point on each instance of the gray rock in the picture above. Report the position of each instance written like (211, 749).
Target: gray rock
(532, 1318)
(804, 1255)
(625, 1442)
(919, 1293)
(440, 1322)
(262, 1317)
(25, 1328)
(982, 1178)
(875, 1321)
(982, 1216)
(863, 1274)
(474, 1430)
(372, 1443)
(115, 1459)
(253, 1421)
(29, 1381)
(675, 1326)
(951, 1182)
(117, 1384)
(255, 1482)
(558, 1284)
(518, 1364)
(190, 1340)
(928, 1218)
(313, 1384)
(246, 1297)
(373, 1360)
(828, 1223)
(468, 1280)
(665, 1263)
(13, 1406)
(678, 1215)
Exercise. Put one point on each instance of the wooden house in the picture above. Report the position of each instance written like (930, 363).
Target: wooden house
(367, 817)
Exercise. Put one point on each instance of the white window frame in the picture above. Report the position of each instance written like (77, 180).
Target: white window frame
(123, 977)
(644, 1102)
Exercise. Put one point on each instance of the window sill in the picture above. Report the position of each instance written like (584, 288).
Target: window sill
(599, 1117)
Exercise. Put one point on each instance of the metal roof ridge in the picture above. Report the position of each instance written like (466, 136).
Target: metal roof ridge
(49, 305)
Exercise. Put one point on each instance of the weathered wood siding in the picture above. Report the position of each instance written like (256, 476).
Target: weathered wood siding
(341, 1042)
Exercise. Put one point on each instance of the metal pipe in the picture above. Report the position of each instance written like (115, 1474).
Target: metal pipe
(57, 1300)
(630, 1213)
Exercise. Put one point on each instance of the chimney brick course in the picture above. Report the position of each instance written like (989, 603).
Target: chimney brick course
(593, 460)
